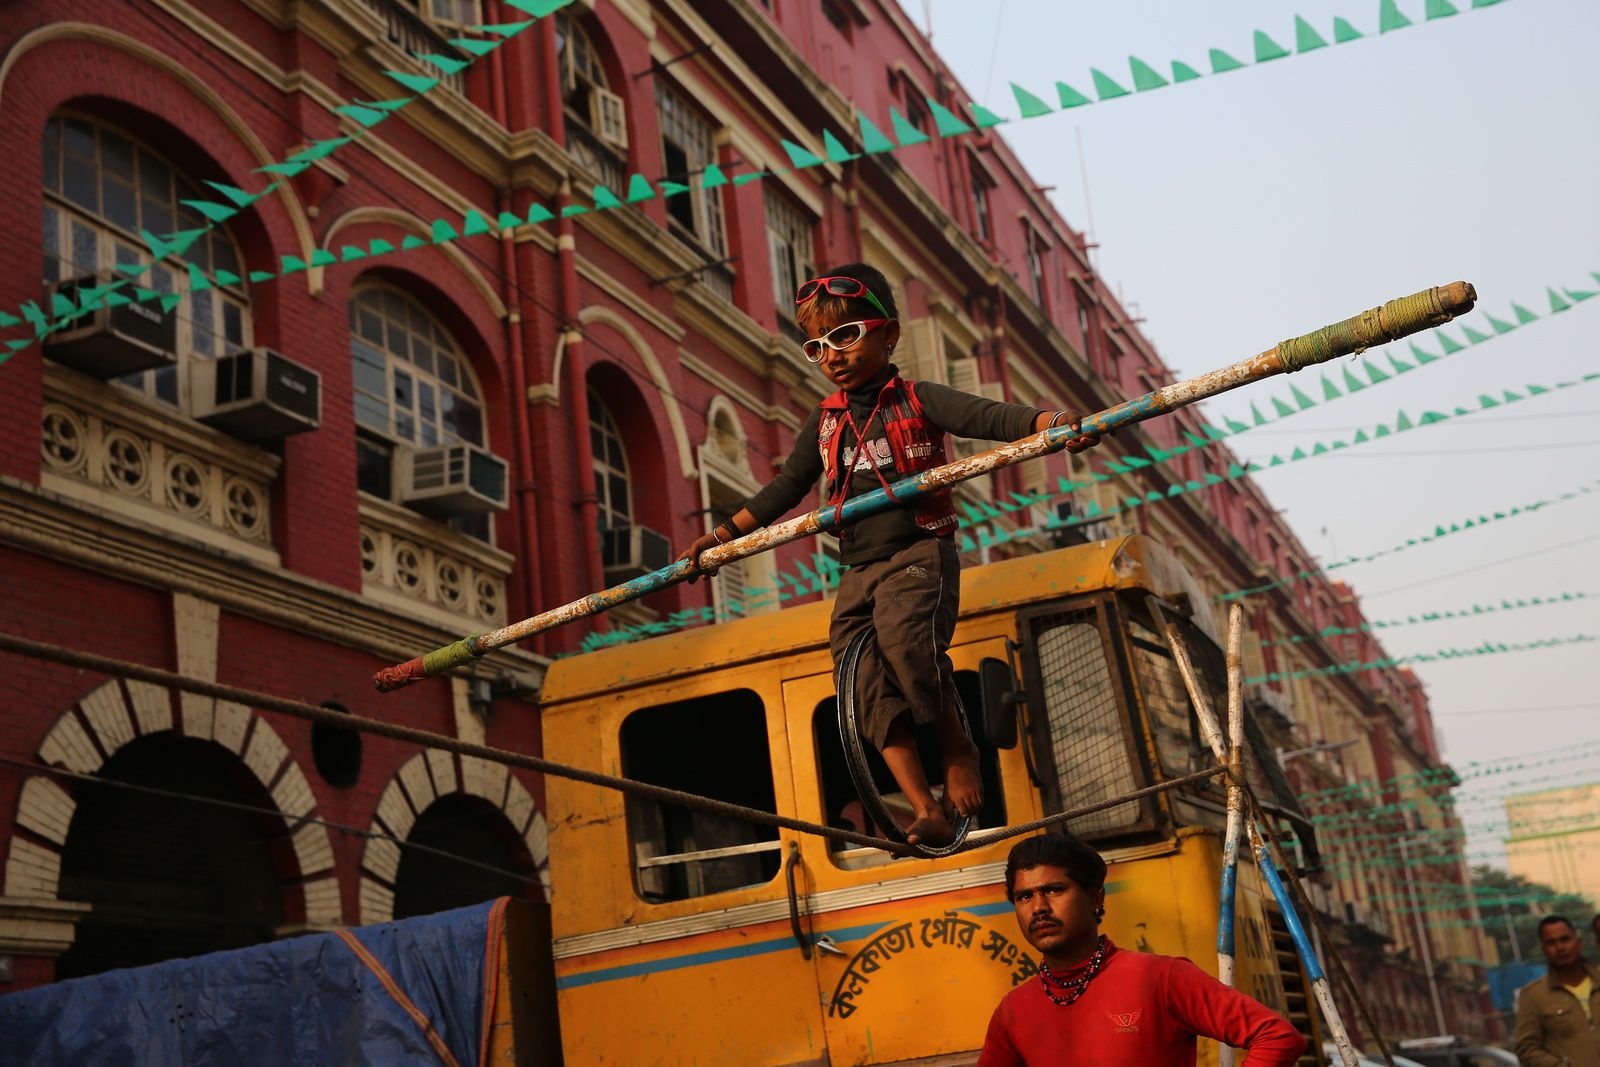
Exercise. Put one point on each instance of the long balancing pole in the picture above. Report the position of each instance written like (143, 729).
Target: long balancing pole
(1269, 870)
(1398, 318)
(1230, 842)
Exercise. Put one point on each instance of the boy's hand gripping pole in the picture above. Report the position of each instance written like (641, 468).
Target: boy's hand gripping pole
(1398, 318)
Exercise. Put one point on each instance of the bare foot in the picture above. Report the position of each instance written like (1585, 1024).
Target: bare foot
(931, 828)
(963, 783)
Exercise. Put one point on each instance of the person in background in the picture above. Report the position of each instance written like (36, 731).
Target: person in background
(1558, 1016)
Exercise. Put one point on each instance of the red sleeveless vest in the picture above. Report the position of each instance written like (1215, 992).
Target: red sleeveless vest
(915, 444)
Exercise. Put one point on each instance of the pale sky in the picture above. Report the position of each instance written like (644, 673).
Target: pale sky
(1243, 208)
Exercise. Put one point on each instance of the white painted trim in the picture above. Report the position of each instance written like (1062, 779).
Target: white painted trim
(595, 313)
(816, 905)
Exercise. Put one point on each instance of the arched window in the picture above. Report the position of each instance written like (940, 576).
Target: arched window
(413, 386)
(596, 125)
(611, 482)
(101, 189)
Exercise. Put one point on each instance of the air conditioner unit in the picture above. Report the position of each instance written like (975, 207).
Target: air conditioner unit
(634, 551)
(255, 395)
(451, 480)
(607, 118)
(119, 337)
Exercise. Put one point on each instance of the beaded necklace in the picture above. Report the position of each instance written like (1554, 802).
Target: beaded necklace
(1073, 987)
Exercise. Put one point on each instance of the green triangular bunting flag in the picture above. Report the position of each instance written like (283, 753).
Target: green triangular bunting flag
(982, 117)
(1390, 17)
(1306, 39)
(1222, 62)
(1343, 32)
(874, 140)
(1070, 97)
(1267, 49)
(835, 149)
(1030, 106)
(906, 133)
(1144, 76)
(1104, 86)
(945, 121)
(799, 158)
(1182, 72)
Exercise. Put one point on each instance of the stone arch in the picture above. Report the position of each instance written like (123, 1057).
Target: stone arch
(116, 714)
(414, 226)
(421, 780)
(594, 313)
(83, 31)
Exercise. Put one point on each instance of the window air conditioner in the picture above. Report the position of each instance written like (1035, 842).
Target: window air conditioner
(633, 551)
(255, 395)
(451, 480)
(607, 118)
(121, 336)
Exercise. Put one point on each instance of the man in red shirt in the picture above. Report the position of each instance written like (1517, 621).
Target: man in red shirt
(1094, 1004)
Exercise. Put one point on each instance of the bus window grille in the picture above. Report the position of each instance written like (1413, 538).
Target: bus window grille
(1087, 738)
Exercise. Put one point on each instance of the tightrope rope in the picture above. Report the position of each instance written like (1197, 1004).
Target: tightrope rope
(344, 720)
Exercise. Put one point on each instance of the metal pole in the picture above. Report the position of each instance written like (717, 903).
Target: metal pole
(1397, 318)
(1269, 870)
(1422, 936)
(1511, 932)
(1230, 841)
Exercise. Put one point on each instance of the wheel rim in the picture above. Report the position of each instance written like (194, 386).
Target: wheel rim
(855, 753)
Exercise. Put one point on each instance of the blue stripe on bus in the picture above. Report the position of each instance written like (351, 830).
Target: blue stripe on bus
(718, 955)
(758, 948)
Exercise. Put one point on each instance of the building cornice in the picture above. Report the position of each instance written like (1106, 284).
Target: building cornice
(47, 524)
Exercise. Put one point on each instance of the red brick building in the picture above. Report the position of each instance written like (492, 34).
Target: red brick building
(506, 421)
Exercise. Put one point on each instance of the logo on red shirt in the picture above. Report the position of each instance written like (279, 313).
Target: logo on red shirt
(1126, 1022)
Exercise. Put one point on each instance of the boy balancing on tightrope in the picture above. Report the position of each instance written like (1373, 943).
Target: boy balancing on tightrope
(903, 576)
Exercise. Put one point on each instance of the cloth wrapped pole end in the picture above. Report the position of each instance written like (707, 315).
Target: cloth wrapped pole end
(439, 661)
(1398, 318)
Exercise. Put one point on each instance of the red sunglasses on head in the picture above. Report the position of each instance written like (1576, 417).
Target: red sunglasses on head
(839, 285)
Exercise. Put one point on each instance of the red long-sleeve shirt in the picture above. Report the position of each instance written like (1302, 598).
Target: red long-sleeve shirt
(1140, 1009)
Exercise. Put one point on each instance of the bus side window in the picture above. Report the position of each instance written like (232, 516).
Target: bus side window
(714, 746)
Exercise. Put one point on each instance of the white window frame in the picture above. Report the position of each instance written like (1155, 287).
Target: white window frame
(684, 127)
(789, 244)
(82, 239)
(375, 301)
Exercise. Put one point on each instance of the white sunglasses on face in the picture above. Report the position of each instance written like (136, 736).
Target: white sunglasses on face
(841, 338)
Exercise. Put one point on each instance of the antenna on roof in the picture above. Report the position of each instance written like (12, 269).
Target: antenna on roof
(1088, 204)
(927, 18)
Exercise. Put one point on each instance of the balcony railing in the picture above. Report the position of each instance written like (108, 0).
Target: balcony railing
(409, 31)
(422, 567)
(107, 447)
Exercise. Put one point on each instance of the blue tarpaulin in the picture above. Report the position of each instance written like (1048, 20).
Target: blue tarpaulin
(312, 1000)
(1506, 979)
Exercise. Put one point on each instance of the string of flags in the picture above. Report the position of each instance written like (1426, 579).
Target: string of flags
(1440, 531)
(367, 115)
(1349, 382)
(1488, 648)
(822, 572)
(1448, 615)
(1433, 777)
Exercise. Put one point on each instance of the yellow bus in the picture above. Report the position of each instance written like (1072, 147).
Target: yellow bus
(682, 937)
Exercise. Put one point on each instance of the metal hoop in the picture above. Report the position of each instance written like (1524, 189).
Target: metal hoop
(855, 753)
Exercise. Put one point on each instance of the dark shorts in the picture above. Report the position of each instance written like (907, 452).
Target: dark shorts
(911, 599)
